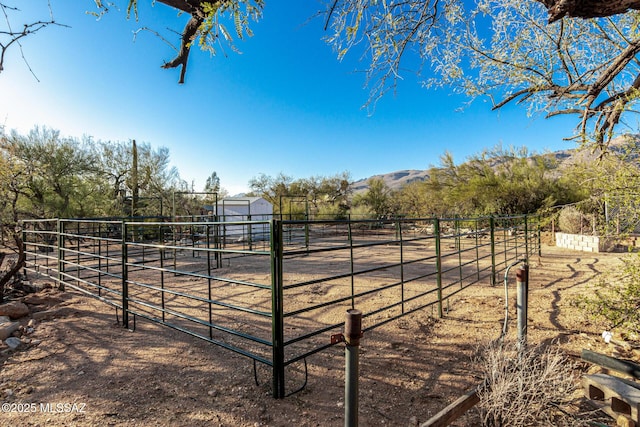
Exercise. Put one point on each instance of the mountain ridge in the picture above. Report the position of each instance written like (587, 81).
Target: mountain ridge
(397, 179)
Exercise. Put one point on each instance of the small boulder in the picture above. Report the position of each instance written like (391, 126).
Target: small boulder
(13, 342)
(14, 309)
(41, 299)
(7, 329)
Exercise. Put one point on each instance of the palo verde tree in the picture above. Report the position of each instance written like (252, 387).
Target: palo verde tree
(377, 198)
(609, 187)
(45, 175)
(556, 56)
(53, 170)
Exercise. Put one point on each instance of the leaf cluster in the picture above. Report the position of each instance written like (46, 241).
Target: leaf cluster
(216, 16)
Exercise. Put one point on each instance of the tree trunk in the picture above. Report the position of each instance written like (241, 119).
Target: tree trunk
(15, 269)
(558, 9)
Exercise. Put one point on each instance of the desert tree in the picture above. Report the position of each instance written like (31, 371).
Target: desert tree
(557, 57)
(52, 170)
(212, 183)
(324, 191)
(323, 194)
(212, 25)
(377, 198)
(504, 181)
(609, 187)
(405, 19)
(412, 200)
(271, 188)
(11, 189)
(507, 50)
(40, 174)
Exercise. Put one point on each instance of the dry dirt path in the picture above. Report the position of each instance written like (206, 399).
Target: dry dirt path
(88, 371)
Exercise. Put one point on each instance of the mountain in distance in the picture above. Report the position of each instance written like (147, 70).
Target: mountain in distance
(398, 179)
(393, 180)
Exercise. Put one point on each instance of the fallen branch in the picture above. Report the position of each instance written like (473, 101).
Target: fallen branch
(455, 410)
(624, 366)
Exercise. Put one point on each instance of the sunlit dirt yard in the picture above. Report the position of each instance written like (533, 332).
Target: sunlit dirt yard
(82, 368)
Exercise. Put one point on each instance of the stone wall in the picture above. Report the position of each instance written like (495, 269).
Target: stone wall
(580, 242)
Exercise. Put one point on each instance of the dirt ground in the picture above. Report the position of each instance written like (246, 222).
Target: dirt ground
(82, 369)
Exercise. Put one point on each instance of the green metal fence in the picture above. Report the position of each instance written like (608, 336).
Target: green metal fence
(275, 291)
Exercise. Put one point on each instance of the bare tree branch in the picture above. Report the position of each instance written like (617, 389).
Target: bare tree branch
(10, 37)
(188, 36)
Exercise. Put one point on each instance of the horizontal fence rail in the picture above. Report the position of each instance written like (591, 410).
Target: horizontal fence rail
(275, 290)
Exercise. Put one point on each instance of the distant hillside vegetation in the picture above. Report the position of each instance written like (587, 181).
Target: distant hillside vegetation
(398, 179)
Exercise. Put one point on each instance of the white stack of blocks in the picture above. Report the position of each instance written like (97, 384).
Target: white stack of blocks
(580, 242)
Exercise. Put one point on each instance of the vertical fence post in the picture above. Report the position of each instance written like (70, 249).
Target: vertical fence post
(436, 228)
(23, 235)
(522, 295)
(351, 268)
(60, 241)
(209, 294)
(217, 240)
(540, 238)
(250, 235)
(399, 237)
(306, 224)
(352, 335)
(526, 236)
(477, 233)
(456, 230)
(492, 227)
(78, 248)
(162, 292)
(125, 277)
(277, 309)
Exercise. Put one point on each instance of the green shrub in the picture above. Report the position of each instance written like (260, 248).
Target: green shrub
(570, 220)
(361, 212)
(615, 299)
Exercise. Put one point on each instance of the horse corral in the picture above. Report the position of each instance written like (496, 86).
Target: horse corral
(275, 291)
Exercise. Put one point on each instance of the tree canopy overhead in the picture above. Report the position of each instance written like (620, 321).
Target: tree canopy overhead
(507, 50)
(575, 57)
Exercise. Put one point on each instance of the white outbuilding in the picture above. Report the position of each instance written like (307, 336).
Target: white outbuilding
(242, 209)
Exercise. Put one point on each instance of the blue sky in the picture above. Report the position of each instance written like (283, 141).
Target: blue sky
(284, 105)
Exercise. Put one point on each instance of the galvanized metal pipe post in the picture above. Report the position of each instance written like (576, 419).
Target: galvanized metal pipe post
(522, 284)
(277, 309)
(352, 335)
